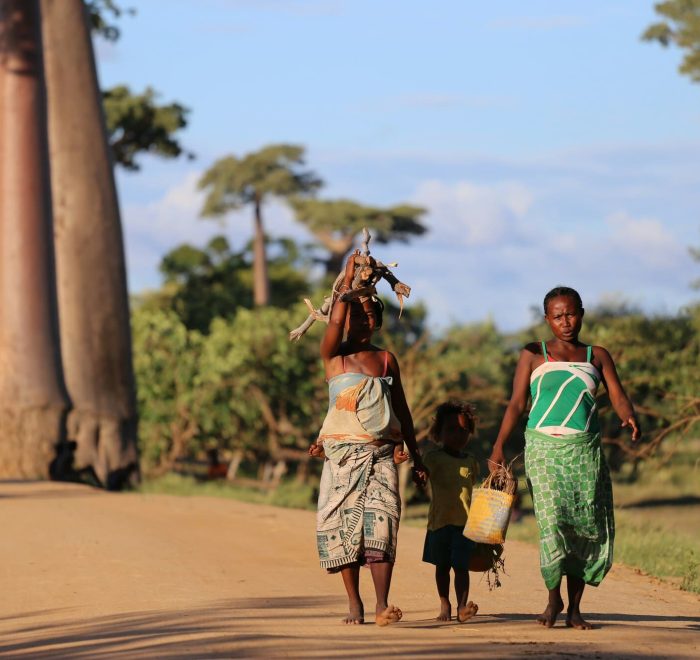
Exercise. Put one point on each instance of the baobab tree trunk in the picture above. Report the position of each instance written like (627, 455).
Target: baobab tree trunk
(261, 282)
(91, 274)
(32, 396)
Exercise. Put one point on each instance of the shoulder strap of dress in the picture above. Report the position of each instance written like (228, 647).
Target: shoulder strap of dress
(386, 362)
(589, 353)
(544, 351)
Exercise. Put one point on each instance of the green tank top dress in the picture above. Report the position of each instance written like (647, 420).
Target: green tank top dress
(564, 396)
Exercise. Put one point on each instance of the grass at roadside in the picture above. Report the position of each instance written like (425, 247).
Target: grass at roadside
(288, 494)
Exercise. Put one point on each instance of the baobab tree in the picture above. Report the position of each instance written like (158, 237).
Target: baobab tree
(32, 397)
(90, 266)
(233, 183)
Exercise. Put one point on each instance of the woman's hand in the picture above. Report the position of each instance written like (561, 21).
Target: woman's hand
(636, 431)
(400, 455)
(350, 268)
(496, 459)
(316, 451)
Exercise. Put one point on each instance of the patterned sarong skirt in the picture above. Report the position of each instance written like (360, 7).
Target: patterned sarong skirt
(571, 491)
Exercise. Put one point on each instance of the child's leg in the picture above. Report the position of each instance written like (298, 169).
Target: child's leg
(351, 580)
(442, 580)
(553, 609)
(381, 576)
(574, 588)
(466, 609)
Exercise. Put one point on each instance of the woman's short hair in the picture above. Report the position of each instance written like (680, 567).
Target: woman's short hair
(452, 407)
(563, 291)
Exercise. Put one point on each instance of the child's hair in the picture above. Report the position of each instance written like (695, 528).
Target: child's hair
(563, 291)
(452, 407)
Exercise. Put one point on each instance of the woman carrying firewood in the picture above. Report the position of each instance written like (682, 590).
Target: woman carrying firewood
(361, 439)
(566, 470)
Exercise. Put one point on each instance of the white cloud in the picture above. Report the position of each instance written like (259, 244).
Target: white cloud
(646, 240)
(471, 215)
(153, 228)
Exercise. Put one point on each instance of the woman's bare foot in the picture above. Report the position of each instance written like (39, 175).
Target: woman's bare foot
(467, 611)
(356, 615)
(575, 620)
(549, 616)
(445, 610)
(390, 614)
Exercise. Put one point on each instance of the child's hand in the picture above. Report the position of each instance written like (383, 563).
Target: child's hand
(316, 451)
(420, 473)
(636, 431)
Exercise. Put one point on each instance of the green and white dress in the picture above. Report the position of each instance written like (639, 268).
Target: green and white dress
(567, 473)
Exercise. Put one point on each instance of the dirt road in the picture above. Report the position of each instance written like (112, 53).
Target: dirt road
(87, 574)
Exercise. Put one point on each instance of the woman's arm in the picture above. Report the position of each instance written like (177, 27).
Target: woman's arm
(403, 414)
(618, 397)
(333, 337)
(516, 406)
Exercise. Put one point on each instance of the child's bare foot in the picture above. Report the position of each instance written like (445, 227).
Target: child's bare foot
(445, 610)
(356, 615)
(549, 616)
(391, 614)
(466, 612)
(575, 620)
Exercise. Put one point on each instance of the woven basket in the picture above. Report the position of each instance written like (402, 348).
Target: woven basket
(484, 557)
(489, 513)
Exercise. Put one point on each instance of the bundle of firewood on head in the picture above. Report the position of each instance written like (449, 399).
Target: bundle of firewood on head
(368, 272)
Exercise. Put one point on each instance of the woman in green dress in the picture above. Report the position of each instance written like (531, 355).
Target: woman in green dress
(566, 470)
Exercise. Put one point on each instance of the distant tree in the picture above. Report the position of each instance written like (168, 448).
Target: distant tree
(337, 223)
(233, 183)
(681, 28)
(214, 282)
(135, 123)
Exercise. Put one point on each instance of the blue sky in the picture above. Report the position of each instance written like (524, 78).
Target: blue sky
(548, 143)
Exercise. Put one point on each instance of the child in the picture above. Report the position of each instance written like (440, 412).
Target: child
(566, 470)
(451, 474)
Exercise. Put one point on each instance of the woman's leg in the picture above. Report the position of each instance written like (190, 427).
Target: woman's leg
(574, 588)
(553, 609)
(381, 576)
(351, 580)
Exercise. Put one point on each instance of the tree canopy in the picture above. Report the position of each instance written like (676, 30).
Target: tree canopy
(680, 27)
(337, 223)
(137, 124)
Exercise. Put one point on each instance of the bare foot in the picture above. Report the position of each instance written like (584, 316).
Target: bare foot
(356, 615)
(467, 611)
(391, 614)
(549, 616)
(445, 610)
(575, 620)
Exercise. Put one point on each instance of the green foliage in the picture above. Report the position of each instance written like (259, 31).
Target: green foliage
(214, 282)
(242, 386)
(681, 28)
(337, 223)
(277, 170)
(137, 124)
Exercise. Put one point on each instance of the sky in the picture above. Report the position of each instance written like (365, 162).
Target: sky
(547, 142)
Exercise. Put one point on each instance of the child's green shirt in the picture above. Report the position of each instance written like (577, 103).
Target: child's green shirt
(451, 482)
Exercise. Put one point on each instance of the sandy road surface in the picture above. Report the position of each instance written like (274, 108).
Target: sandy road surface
(87, 574)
